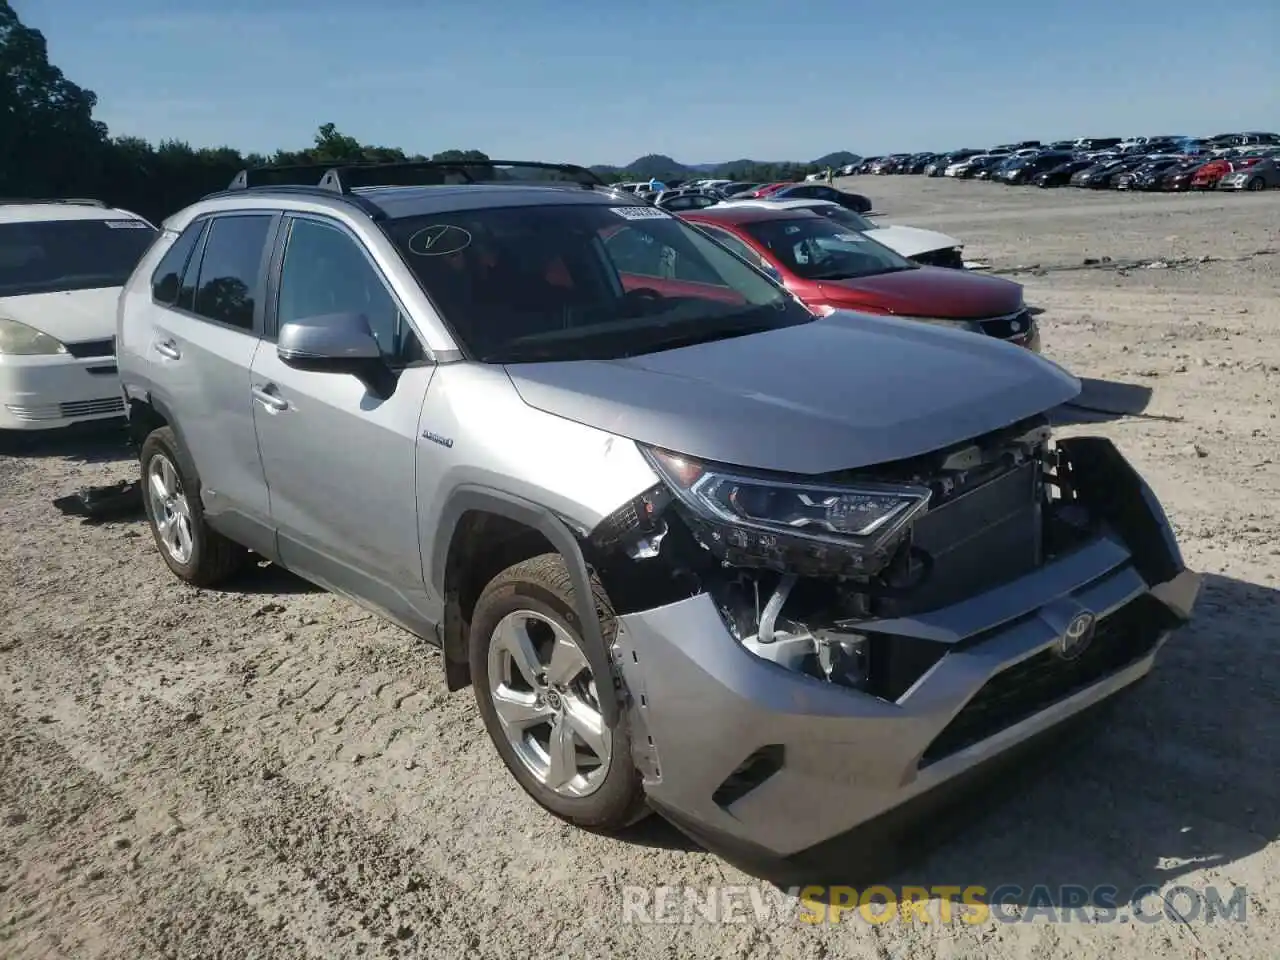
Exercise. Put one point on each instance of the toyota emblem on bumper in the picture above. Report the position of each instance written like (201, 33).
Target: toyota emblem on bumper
(1076, 638)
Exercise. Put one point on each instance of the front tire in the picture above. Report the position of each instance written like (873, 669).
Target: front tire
(1257, 183)
(190, 548)
(539, 699)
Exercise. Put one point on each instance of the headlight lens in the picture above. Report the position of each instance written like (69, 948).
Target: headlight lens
(19, 339)
(969, 325)
(764, 515)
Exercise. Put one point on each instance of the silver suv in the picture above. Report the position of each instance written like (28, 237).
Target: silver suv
(776, 576)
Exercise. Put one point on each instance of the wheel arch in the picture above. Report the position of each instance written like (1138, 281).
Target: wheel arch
(457, 553)
(148, 413)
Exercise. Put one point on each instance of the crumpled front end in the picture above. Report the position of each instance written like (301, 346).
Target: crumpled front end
(784, 691)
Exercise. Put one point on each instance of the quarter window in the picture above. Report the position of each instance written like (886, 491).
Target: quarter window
(190, 276)
(167, 279)
(230, 277)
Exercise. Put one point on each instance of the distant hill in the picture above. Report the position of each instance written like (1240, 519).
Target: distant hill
(661, 167)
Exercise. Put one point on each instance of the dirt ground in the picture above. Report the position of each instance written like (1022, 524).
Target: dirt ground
(269, 771)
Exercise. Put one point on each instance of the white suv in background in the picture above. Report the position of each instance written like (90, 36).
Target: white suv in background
(62, 264)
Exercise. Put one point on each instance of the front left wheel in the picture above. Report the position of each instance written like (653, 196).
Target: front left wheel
(540, 700)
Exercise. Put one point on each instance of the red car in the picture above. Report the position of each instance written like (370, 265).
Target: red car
(769, 188)
(829, 267)
(1207, 176)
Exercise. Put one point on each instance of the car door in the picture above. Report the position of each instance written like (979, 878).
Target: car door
(208, 294)
(340, 459)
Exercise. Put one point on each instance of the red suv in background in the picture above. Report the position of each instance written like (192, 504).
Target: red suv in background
(829, 267)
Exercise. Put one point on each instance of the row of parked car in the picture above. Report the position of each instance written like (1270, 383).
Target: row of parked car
(62, 264)
(1231, 162)
(681, 528)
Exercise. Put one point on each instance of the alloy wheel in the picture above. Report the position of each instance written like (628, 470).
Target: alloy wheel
(170, 511)
(545, 699)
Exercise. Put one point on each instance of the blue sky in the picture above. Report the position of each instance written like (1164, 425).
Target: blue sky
(569, 80)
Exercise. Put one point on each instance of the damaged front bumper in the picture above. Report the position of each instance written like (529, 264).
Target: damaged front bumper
(770, 767)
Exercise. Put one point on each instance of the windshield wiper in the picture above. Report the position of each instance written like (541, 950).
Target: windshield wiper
(691, 338)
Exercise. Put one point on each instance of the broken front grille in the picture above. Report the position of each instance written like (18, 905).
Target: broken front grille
(1034, 684)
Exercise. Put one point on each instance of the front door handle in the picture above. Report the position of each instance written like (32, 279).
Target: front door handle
(167, 348)
(270, 399)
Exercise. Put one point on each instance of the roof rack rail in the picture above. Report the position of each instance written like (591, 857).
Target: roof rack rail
(342, 178)
(76, 201)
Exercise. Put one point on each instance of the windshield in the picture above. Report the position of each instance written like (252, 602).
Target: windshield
(816, 248)
(841, 215)
(51, 256)
(584, 281)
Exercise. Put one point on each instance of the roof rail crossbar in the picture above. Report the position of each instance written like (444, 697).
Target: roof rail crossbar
(344, 177)
(287, 175)
(76, 201)
(431, 172)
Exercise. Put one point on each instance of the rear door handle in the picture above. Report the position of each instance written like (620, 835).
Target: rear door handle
(269, 398)
(167, 348)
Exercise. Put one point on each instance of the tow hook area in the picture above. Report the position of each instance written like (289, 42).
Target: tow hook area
(1094, 473)
(1180, 594)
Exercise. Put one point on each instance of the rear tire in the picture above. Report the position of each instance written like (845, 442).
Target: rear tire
(547, 727)
(190, 548)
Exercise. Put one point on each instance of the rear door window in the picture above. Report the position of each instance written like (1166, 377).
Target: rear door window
(229, 285)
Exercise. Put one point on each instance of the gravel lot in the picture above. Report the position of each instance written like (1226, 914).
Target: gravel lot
(268, 771)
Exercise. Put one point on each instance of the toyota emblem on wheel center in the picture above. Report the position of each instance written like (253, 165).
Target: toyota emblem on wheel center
(1078, 635)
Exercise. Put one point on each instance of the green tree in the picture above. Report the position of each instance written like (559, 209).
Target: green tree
(50, 145)
(335, 147)
(49, 142)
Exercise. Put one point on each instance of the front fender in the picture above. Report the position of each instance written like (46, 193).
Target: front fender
(475, 497)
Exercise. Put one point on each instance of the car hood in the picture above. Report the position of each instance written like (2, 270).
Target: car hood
(71, 315)
(912, 241)
(843, 392)
(926, 292)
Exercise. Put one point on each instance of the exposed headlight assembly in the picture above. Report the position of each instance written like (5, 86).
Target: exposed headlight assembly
(19, 339)
(788, 524)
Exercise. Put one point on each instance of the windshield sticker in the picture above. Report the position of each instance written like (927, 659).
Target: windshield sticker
(640, 213)
(439, 240)
(127, 224)
(850, 237)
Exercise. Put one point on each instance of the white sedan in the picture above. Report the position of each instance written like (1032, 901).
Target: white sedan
(926, 247)
(62, 264)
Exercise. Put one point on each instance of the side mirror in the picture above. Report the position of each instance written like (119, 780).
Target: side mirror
(334, 343)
